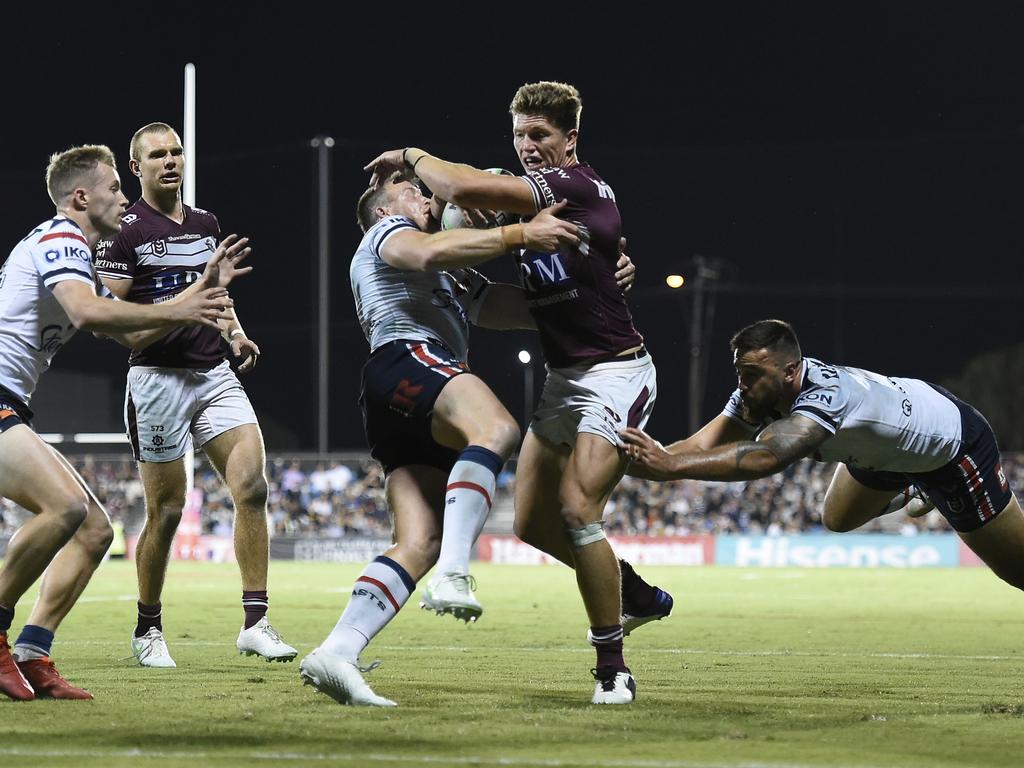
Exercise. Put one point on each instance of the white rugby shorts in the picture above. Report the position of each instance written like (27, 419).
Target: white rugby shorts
(166, 409)
(600, 399)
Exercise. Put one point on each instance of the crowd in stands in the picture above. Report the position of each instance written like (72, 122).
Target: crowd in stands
(345, 497)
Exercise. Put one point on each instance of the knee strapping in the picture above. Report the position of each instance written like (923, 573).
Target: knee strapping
(588, 534)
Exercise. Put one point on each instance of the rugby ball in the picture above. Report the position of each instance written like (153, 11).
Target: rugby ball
(452, 218)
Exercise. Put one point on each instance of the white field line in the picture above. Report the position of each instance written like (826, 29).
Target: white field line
(363, 758)
(645, 651)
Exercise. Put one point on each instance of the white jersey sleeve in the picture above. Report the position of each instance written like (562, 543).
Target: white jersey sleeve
(33, 324)
(384, 229)
(821, 398)
(394, 304)
(62, 254)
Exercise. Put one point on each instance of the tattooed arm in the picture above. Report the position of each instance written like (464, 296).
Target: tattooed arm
(778, 446)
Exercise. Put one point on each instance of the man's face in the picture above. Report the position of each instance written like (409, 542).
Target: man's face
(539, 144)
(763, 378)
(105, 200)
(406, 199)
(161, 163)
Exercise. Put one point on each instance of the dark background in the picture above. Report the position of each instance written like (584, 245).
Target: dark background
(858, 171)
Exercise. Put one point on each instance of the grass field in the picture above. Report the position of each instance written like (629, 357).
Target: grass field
(755, 668)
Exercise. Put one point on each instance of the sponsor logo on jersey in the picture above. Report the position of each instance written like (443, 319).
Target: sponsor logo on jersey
(545, 188)
(129, 218)
(51, 339)
(540, 269)
(108, 264)
(815, 397)
(603, 190)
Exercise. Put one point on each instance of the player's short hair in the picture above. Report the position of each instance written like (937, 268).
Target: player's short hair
(133, 149)
(371, 199)
(773, 335)
(559, 103)
(74, 167)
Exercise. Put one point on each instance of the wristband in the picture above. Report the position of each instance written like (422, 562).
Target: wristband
(405, 158)
(236, 332)
(512, 236)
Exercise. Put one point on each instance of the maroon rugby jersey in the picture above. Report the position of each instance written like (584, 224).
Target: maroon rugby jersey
(162, 257)
(580, 311)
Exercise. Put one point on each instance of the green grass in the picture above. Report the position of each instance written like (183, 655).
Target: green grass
(756, 668)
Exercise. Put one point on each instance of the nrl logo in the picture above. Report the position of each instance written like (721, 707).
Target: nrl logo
(160, 248)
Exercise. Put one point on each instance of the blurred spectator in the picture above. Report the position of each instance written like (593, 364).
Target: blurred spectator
(335, 497)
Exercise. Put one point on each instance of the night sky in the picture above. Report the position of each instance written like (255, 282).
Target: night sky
(857, 173)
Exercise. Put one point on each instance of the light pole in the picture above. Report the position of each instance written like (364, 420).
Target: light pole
(322, 145)
(707, 271)
(527, 360)
(702, 318)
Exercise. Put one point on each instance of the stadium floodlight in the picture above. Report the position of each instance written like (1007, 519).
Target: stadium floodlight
(674, 281)
(524, 356)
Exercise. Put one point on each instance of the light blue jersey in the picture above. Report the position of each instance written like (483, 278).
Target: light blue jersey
(397, 304)
(878, 423)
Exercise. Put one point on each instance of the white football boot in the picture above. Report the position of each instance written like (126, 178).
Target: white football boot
(613, 686)
(452, 593)
(151, 649)
(261, 639)
(340, 679)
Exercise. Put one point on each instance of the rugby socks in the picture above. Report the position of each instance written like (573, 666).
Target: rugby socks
(608, 643)
(256, 603)
(149, 616)
(637, 594)
(471, 485)
(33, 643)
(377, 596)
(6, 619)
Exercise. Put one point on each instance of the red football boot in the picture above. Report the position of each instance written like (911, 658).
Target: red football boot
(48, 683)
(12, 682)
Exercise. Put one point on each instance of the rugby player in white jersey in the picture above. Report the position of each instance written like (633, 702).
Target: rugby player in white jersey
(890, 436)
(437, 430)
(48, 290)
(181, 390)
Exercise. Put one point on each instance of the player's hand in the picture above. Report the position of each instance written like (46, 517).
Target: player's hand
(385, 164)
(642, 449)
(207, 307)
(223, 267)
(245, 350)
(546, 233)
(625, 274)
(479, 218)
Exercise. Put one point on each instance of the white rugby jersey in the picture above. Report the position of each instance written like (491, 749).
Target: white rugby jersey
(33, 324)
(402, 304)
(878, 423)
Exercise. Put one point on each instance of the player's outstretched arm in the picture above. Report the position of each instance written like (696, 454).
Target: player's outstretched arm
(422, 252)
(463, 185)
(778, 446)
(89, 312)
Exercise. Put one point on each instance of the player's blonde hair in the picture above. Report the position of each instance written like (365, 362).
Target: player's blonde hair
(133, 149)
(559, 103)
(74, 168)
